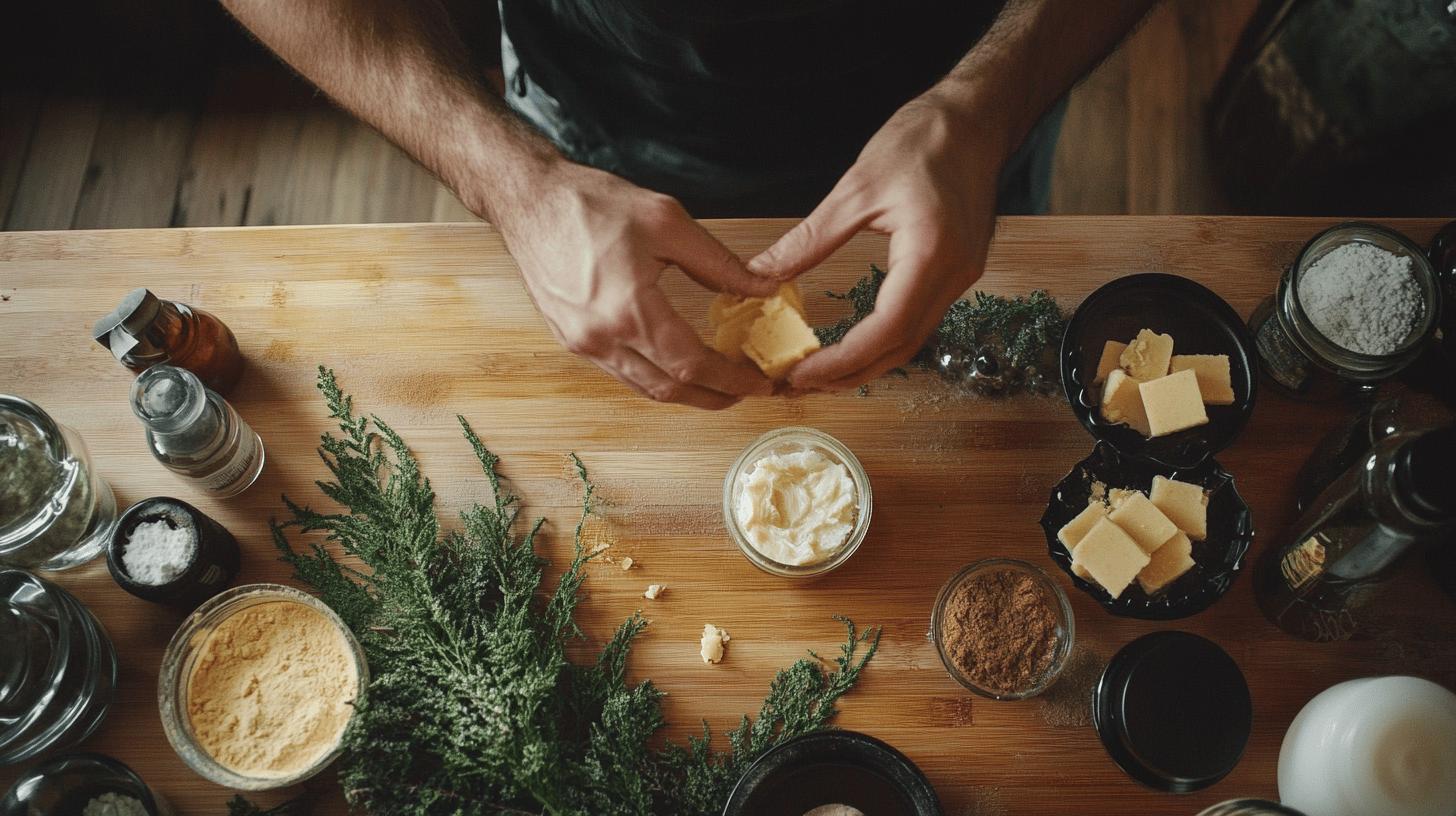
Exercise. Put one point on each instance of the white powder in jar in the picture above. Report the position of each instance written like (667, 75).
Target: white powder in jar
(114, 804)
(1363, 298)
(156, 552)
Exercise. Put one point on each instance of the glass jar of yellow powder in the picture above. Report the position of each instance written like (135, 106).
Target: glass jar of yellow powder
(258, 685)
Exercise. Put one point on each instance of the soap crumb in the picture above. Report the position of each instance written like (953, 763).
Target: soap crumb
(653, 590)
(710, 648)
(626, 563)
(1099, 492)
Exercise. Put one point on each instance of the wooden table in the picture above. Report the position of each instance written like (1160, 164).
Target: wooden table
(422, 322)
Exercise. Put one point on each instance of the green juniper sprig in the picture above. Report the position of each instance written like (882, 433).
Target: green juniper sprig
(472, 706)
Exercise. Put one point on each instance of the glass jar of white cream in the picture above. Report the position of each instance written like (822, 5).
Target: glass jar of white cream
(797, 502)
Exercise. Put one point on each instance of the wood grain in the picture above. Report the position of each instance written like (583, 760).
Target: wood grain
(422, 322)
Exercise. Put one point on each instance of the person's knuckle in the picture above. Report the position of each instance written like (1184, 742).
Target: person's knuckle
(660, 210)
(666, 392)
(689, 370)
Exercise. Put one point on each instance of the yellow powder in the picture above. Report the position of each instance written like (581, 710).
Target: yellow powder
(271, 690)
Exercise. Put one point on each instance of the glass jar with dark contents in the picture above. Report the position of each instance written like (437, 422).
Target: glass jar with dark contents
(1305, 363)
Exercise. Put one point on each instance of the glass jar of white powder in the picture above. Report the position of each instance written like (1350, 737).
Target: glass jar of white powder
(1357, 306)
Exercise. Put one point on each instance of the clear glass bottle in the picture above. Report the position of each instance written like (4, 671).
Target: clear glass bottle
(194, 432)
(1300, 360)
(1335, 557)
(55, 511)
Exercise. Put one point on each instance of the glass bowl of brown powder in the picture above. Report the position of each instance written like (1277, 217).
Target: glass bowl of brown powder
(258, 685)
(1003, 629)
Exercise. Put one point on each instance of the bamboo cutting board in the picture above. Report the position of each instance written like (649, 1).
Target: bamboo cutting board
(423, 322)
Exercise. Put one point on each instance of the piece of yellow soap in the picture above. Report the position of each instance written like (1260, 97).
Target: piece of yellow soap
(1111, 359)
(1110, 557)
(1147, 356)
(1167, 564)
(1186, 505)
(1071, 533)
(1212, 371)
(1139, 518)
(731, 316)
(1117, 495)
(779, 338)
(1173, 403)
(1123, 402)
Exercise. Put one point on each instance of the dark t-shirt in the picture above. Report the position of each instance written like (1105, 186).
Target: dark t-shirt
(736, 108)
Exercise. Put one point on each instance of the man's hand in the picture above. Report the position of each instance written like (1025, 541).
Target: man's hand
(591, 248)
(928, 180)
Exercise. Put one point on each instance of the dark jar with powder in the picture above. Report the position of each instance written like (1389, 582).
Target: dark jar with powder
(1306, 363)
(205, 570)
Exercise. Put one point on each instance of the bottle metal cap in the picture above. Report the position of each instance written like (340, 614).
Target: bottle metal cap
(1173, 711)
(121, 329)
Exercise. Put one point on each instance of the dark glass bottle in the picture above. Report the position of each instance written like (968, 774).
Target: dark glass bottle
(145, 330)
(1334, 558)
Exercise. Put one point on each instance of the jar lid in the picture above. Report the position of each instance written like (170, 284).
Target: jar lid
(1173, 711)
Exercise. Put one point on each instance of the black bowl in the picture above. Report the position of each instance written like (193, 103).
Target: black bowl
(1199, 321)
(833, 767)
(1217, 558)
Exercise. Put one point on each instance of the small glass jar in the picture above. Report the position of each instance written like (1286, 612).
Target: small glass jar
(82, 783)
(1055, 598)
(55, 511)
(793, 440)
(180, 659)
(1248, 807)
(1299, 359)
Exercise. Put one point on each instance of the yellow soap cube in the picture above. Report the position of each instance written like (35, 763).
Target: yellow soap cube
(1111, 359)
(1109, 556)
(1172, 403)
(1212, 371)
(1117, 495)
(1147, 525)
(779, 339)
(1167, 564)
(1183, 503)
(1122, 402)
(1071, 533)
(1147, 356)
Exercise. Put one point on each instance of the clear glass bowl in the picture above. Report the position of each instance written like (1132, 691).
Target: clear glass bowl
(1057, 600)
(785, 440)
(57, 668)
(56, 512)
(181, 656)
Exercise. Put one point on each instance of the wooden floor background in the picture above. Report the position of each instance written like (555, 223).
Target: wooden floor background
(155, 120)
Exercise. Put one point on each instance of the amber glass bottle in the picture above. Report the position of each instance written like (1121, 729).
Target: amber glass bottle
(146, 330)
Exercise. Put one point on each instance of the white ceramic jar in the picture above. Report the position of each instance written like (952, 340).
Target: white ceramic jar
(1378, 745)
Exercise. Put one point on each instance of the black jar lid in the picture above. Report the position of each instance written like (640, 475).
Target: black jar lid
(215, 553)
(1173, 711)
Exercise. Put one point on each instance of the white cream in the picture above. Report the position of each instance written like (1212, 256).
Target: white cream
(796, 507)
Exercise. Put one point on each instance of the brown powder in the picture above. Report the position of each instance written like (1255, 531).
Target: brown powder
(271, 690)
(1000, 630)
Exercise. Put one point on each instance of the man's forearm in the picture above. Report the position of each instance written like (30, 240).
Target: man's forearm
(1034, 52)
(402, 68)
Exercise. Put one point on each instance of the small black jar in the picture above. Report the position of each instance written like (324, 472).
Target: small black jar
(215, 553)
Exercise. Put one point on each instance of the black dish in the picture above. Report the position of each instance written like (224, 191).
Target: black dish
(1173, 711)
(63, 786)
(1199, 321)
(858, 770)
(1218, 558)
